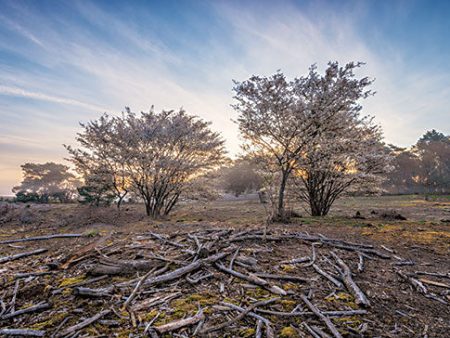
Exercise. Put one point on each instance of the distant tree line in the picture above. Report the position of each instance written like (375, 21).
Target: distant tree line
(304, 140)
(422, 169)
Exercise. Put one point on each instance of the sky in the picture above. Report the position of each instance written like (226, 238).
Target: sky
(66, 62)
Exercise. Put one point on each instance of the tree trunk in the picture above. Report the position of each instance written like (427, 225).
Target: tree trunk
(281, 214)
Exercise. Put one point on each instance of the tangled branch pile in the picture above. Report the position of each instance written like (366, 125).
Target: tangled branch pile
(205, 283)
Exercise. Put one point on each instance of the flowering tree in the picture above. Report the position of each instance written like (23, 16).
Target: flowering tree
(344, 149)
(158, 153)
(309, 132)
(45, 181)
(272, 122)
(100, 161)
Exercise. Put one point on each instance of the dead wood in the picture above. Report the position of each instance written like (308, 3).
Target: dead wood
(22, 332)
(21, 255)
(328, 276)
(175, 325)
(307, 313)
(290, 278)
(321, 316)
(435, 274)
(267, 323)
(434, 283)
(240, 316)
(32, 274)
(352, 287)
(123, 267)
(87, 292)
(41, 238)
(136, 288)
(84, 323)
(150, 302)
(31, 309)
(252, 279)
(417, 284)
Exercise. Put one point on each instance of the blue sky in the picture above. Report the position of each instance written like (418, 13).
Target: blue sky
(62, 62)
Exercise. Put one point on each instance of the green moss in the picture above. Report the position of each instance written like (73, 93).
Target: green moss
(56, 318)
(288, 332)
(288, 304)
(287, 268)
(248, 332)
(343, 298)
(91, 233)
(352, 321)
(258, 293)
(72, 280)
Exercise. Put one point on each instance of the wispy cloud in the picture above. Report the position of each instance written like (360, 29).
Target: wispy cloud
(21, 30)
(14, 91)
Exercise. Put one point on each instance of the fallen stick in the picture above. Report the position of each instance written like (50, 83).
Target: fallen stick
(87, 292)
(136, 288)
(240, 316)
(352, 287)
(321, 316)
(312, 259)
(253, 279)
(165, 240)
(175, 274)
(32, 274)
(13, 300)
(311, 331)
(291, 278)
(417, 284)
(175, 325)
(22, 332)
(308, 313)
(328, 276)
(41, 238)
(269, 330)
(296, 260)
(432, 282)
(435, 274)
(34, 308)
(83, 324)
(21, 255)
(361, 262)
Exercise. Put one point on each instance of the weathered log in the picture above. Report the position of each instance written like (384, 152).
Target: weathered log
(434, 283)
(321, 316)
(417, 284)
(308, 313)
(240, 316)
(150, 302)
(175, 325)
(435, 274)
(175, 274)
(21, 255)
(290, 278)
(32, 274)
(22, 332)
(328, 276)
(267, 323)
(123, 267)
(87, 292)
(34, 308)
(136, 288)
(252, 279)
(84, 323)
(352, 287)
(41, 238)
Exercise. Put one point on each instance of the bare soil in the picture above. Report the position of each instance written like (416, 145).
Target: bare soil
(398, 307)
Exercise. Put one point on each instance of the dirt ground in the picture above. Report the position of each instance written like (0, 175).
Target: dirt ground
(398, 308)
